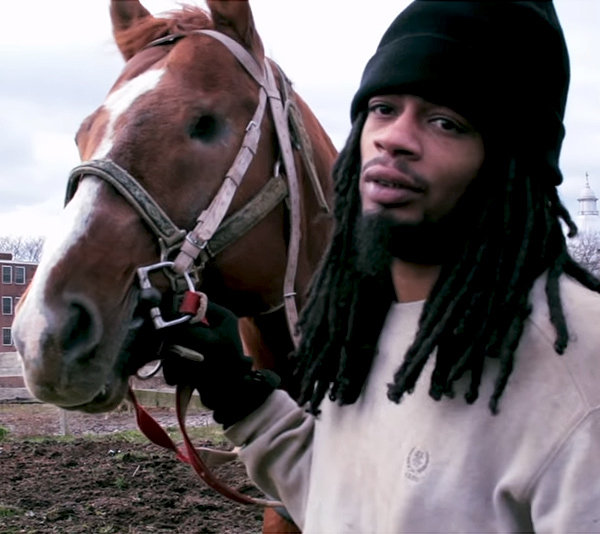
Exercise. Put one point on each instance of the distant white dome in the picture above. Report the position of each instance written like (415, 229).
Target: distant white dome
(588, 219)
(587, 194)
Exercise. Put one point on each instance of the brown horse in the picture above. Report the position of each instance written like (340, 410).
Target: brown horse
(183, 114)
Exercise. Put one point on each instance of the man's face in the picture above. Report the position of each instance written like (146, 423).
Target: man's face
(417, 159)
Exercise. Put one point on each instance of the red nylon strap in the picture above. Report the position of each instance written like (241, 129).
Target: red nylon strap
(157, 435)
(152, 430)
(190, 303)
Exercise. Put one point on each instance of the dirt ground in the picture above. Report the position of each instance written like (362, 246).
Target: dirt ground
(105, 480)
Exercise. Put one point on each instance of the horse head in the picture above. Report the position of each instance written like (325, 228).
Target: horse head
(173, 125)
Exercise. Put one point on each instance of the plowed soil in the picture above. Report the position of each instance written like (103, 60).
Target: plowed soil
(101, 480)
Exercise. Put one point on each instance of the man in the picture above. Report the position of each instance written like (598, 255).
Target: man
(447, 280)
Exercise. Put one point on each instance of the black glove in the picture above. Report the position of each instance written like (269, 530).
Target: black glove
(224, 378)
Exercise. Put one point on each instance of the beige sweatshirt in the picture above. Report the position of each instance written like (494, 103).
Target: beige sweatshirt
(425, 466)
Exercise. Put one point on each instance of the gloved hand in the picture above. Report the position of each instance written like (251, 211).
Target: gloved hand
(224, 377)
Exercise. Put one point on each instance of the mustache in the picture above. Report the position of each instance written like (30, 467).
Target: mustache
(419, 181)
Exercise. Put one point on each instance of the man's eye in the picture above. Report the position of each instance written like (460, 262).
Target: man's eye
(379, 108)
(449, 125)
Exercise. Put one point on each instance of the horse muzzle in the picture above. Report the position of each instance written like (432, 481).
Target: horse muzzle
(66, 359)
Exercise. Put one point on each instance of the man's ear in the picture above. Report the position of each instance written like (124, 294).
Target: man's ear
(234, 18)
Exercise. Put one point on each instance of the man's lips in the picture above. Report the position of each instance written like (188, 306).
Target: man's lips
(384, 184)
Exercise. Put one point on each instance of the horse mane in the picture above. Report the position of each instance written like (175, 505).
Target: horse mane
(148, 29)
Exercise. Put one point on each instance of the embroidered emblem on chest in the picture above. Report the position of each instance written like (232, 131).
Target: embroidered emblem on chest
(417, 462)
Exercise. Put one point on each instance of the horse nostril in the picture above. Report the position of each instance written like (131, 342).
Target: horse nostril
(82, 329)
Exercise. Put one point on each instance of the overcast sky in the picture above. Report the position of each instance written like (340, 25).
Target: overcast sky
(58, 62)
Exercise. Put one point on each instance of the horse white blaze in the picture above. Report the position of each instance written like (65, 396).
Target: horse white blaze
(73, 220)
(34, 316)
(120, 100)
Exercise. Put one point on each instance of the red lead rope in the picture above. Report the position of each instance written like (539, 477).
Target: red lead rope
(157, 435)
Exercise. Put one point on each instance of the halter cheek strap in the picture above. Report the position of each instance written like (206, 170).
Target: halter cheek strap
(210, 219)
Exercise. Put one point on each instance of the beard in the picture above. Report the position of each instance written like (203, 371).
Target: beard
(379, 239)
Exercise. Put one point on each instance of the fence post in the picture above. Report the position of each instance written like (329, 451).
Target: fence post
(64, 422)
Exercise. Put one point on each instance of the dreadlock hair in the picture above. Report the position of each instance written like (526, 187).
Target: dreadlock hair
(476, 309)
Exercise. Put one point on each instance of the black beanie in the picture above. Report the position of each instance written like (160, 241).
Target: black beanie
(502, 65)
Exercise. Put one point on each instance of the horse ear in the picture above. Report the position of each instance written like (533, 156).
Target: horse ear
(235, 17)
(123, 15)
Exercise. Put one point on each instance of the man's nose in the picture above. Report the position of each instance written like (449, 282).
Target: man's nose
(401, 136)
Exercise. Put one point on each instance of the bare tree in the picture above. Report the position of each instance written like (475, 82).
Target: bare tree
(23, 248)
(585, 249)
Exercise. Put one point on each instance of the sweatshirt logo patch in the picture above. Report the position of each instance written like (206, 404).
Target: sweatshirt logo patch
(417, 462)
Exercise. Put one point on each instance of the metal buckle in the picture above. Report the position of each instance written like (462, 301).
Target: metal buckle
(155, 314)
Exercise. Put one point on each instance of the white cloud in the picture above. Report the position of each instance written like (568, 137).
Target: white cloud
(58, 65)
(35, 219)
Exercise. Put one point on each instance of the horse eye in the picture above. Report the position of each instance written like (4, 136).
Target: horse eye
(204, 129)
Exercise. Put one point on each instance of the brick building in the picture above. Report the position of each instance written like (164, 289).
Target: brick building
(14, 279)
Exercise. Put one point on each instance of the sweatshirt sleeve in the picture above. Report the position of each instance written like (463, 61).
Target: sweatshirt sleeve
(566, 495)
(276, 447)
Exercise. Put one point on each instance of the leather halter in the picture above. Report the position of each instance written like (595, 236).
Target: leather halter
(213, 232)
